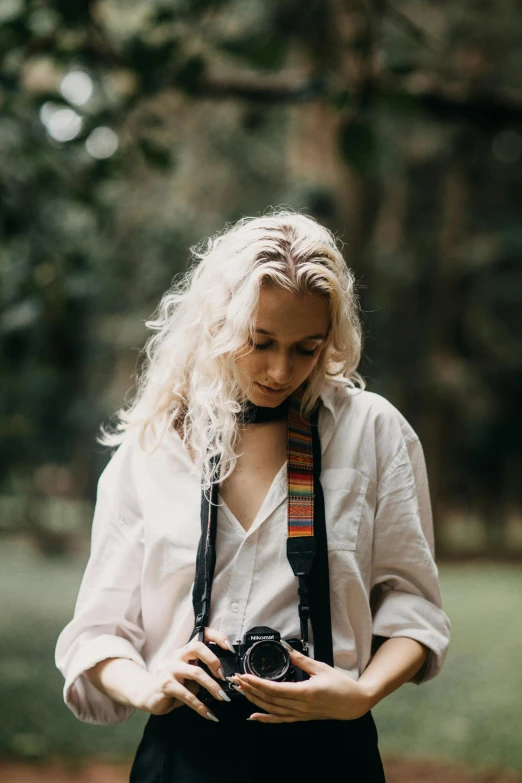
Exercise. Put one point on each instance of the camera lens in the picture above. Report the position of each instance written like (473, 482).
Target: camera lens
(267, 659)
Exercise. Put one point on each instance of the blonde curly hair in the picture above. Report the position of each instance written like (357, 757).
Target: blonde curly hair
(189, 378)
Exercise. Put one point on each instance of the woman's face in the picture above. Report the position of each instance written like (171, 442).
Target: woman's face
(290, 333)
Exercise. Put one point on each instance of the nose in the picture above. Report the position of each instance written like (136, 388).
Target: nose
(280, 370)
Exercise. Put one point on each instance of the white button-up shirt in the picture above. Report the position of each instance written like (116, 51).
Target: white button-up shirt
(135, 599)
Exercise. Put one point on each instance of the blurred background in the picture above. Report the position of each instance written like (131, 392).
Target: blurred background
(129, 130)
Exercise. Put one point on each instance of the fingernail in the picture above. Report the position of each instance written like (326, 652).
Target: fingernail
(221, 673)
(238, 689)
(287, 646)
(211, 716)
(223, 696)
(232, 679)
(252, 719)
(229, 645)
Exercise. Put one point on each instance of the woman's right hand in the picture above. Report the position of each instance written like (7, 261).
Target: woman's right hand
(178, 681)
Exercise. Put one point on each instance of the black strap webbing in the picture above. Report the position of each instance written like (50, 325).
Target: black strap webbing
(206, 558)
(319, 577)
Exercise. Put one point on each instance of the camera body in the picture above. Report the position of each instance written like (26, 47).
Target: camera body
(261, 653)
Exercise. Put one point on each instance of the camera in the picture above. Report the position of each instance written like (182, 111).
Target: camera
(260, 653)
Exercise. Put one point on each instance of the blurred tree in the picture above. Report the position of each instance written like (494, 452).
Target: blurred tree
(130, 130)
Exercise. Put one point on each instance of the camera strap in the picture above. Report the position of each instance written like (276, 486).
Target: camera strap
(301, 544)
(306, 543)
(317, 580)
(206, 556)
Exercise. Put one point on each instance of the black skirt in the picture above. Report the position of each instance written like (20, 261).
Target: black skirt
(183, 747)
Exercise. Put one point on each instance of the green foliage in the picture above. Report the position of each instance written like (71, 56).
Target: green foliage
(262, 49)
(156, 155)
(468, 712)
(61, 266)
(152, 62)
(191, 74)
(102, 194)
(358, 145)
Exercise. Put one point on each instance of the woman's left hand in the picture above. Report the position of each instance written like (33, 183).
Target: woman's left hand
(328, 694)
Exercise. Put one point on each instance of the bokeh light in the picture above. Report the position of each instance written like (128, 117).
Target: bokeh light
(47, 110)
(64, 125)
(77, 87)
(102, 143)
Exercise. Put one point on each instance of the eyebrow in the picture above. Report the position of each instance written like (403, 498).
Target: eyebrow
(319, 336)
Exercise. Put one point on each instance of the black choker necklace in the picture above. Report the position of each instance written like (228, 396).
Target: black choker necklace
(256, 414)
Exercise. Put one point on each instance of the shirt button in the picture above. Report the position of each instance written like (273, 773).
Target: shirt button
(234, 607)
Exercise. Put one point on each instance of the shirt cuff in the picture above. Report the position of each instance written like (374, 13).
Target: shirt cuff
(87, 702)
(404, 614)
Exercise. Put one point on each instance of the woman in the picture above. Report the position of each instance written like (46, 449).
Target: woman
(264, 323)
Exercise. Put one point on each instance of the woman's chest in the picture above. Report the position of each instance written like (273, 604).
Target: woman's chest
(172, 519)
(263, 454)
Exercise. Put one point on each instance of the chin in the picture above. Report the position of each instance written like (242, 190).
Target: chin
(267, 399)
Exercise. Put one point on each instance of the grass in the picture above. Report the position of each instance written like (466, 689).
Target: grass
(472, 710)
(470, 713)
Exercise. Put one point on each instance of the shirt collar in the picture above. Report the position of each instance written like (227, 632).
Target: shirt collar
(329, 391)
(327, 395)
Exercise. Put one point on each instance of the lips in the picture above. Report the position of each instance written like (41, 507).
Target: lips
(269, 389)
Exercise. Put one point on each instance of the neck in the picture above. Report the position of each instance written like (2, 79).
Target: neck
(257, 414)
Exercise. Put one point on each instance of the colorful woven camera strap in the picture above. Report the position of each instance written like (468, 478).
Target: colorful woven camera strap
(300, 472)
(300, 544)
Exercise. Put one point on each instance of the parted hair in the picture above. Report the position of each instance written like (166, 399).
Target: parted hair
(189, 378)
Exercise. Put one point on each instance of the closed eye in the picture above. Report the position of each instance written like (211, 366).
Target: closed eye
(264, 346)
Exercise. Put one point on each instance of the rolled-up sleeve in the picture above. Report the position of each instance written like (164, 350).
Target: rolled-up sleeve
(405, 586)
(107, 616)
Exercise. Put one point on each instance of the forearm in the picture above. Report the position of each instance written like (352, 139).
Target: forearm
(119, 678)
(396, 661)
